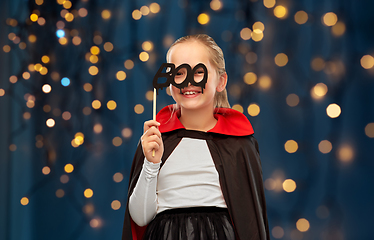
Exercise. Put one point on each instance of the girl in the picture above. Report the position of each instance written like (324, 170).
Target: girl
(204, 180)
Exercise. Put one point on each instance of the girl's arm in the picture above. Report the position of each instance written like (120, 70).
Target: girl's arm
(143, 200)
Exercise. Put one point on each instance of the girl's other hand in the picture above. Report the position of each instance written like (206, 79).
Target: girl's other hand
(151, 140)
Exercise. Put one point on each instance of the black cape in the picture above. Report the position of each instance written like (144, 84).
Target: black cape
(238, 164)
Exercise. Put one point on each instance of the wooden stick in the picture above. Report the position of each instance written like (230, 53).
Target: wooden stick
(154, 112)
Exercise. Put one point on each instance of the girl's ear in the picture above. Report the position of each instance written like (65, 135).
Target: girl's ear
(222, 82)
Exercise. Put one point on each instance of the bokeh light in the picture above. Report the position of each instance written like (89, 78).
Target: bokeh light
(302, 225)
(116, 205)
(280, 12)
(333, 110)
(277, 232)
(253, 109)
(24, 201)
(139, 109)
(301, 17)
(292, 100)
(203, 18)
(345, 153)
(369, 129)
(250, 78)
(111, 105)
(88, 193)
(289, 185)
(69, 168)
(118, 177)
(238, 107)
(367, 61)
(329, 19)
(291, 146)
(325, 146)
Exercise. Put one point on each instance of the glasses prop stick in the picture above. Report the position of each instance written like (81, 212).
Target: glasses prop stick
(169, 75)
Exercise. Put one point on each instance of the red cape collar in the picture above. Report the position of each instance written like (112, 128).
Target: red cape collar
(230, 121)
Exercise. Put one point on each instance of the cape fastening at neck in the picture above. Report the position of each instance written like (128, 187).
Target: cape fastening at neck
(230, 122)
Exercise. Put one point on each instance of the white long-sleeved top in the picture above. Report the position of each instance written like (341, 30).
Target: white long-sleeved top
(187, 179)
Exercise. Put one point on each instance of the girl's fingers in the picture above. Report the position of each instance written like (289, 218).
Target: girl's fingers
(149, 124)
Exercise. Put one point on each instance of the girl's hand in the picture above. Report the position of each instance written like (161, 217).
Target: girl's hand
(151, 140)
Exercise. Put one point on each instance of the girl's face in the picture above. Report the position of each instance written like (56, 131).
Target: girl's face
(193, 53)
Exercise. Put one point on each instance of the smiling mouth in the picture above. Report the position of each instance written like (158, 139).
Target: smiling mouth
(190, 92)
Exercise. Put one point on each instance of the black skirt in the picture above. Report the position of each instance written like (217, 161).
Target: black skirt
(200, 223)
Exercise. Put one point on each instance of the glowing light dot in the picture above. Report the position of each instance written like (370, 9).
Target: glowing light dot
(26, 115)
(238, 107)
(265, 82)
(345, 153)
(34, 17)
(32, 38)
(147, 46)
(6, 48)
(280, 12)
(289, 185)
(60, 33)
(45, 59)
(66, 115)
(325, 146)
(277, 232)
(95, 50)
(129, 64)
(116, 205)
(319, 91)
(121, 75)
(94, 59)
(65, 81)
(250, 78)
(118, 177)
(106, 14)
(46, 170)
(269, 3)
(292, 100)
(143, 56)
(281, 59)
(63, 40)
(64, 178)
(50, 122)
(69, 17)
(13, 79)
(108, 46)
(246, 33)
(333, 110)
(154, 7)
(87, 87)
(117, 141)
(215, 5)
(2, 92)
(126, 132)
(88, 193)
(257, 36)
(301, 17)
(98, 128)
(47, 88)
(13, 147)
(253, 109)
(136, 14)
(258, 26)
(144, 10)
(139, 109)
(67, 4)
(367, 61)
(203, 18)
(24, 201)
(96, 104)
(329, 19)
(82, 12)
(302, 225)
(291, 146)
(149, 95)
(39, 2)
(93, 70)
(69, 168)
(95, 223)
(76, 40)
(60, 193)
(369, 129)
(111, 105)
(338, 29)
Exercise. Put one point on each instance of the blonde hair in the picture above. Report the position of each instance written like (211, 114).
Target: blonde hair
(216, 58)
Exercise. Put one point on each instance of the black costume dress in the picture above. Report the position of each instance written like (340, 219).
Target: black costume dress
(236, 157)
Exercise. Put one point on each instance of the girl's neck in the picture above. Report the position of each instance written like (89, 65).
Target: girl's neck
(199, 120)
